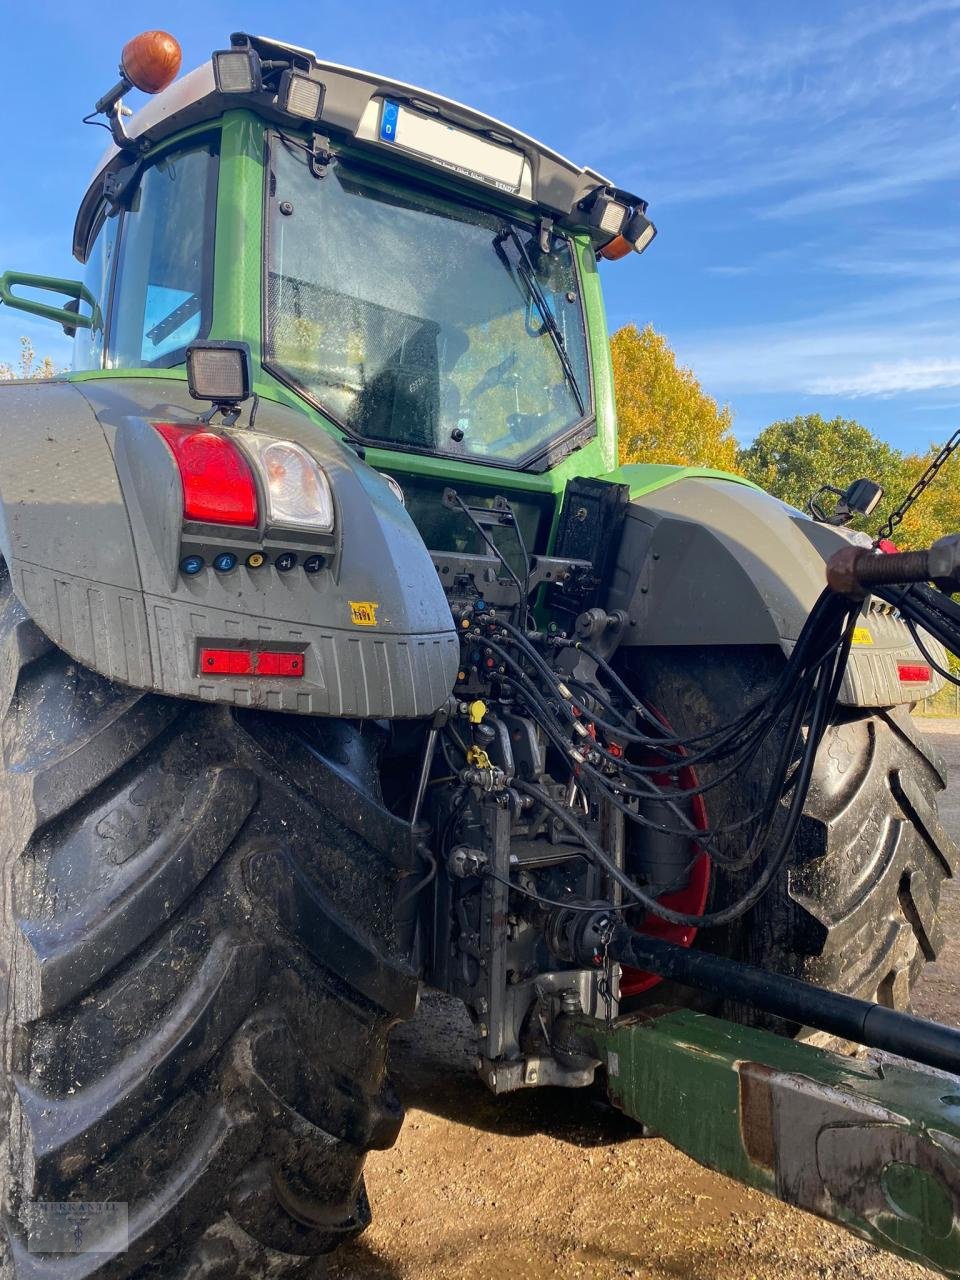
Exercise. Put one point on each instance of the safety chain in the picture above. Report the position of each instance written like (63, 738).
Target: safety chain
(896, 517)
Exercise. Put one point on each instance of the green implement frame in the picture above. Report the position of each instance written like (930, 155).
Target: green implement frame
(872, 1146)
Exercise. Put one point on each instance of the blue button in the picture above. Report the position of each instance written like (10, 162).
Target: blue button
(225, 562)
(388, 120)
(191, 565)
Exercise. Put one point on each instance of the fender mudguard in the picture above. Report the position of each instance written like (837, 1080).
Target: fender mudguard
(92, 531)
(709, 559)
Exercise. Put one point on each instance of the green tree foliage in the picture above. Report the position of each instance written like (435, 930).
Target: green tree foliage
(28, 365)
(793, 458)
(664, 413)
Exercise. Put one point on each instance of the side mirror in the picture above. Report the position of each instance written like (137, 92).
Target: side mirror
(67, 315)
(861, 498)
(858, 499)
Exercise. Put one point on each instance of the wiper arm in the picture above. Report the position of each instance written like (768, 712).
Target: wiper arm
(528, 275)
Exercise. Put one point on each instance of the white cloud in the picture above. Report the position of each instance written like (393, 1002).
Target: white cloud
(884, 172)
(849, 352)
(893, 378)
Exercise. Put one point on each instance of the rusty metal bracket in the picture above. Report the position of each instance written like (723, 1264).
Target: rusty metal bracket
(873, 1147)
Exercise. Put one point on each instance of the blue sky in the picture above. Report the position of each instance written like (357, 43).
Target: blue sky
(801, 162)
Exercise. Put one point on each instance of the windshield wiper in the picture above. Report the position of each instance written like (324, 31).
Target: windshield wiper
(527, 273)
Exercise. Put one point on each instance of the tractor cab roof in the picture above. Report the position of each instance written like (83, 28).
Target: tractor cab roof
(446, 139)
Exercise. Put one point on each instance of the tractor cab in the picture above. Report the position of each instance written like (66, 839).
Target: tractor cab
(420, 278)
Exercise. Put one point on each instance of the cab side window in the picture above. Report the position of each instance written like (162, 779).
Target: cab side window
(88, 343)
(162, 296)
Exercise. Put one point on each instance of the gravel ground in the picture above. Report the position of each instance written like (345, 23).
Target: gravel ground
(550, 1184)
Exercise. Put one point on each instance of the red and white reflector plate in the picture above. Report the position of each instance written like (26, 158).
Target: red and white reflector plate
(270, 663)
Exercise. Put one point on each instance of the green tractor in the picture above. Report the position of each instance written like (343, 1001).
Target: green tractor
(338, 656)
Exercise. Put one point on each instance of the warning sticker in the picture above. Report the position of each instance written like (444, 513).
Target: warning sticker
(862, 636)
(363, 613)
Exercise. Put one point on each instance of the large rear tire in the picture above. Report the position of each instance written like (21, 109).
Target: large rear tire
(856, 907)
(198, 975)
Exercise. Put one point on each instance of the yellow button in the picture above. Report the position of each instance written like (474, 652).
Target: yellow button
(255, 559)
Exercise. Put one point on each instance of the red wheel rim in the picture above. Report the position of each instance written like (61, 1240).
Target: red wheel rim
(691, 899)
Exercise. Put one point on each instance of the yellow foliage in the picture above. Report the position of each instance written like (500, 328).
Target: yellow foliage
(664, 413)
(937, 511)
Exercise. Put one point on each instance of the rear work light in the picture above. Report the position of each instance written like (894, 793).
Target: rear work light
(914, 672)
(218, 483)
(271, 663)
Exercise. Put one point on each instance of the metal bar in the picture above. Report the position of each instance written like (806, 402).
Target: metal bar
(874, 1149)
(421, 791)
(861, 1021)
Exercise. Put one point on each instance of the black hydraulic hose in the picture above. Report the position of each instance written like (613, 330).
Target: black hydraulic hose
(769, 707)
(826, 604)
(865, 1023)
(822, 708)
(611, 789)
(754, 740)
(734, 910)
(651, 791)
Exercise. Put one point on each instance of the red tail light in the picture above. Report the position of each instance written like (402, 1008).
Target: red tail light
(914, 672)
(218, 485)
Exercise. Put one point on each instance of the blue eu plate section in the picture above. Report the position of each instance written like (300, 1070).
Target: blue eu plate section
(388, 120)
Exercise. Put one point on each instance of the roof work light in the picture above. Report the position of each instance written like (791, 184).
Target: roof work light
(237, 70)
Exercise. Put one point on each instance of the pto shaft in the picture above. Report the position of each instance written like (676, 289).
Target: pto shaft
(861, 1021)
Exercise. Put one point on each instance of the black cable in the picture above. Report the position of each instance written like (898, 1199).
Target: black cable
(527, 567)
(826, 603)
(491, 544)
(590, 908)
(424, 881)
(651, 790)
(690, 830)
(942, 671)
(823, 705)
(812, 675)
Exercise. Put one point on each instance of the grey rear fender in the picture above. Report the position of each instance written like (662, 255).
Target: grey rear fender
(92, 530)
(704, 561)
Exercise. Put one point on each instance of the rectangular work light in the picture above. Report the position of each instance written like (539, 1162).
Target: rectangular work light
(300, 96)
(237, 71)
(639, 232)
(218, 371)
(608, 215)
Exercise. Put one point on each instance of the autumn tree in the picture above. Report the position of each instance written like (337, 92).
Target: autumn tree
(937, 511)
(28, 365)
(664, 413)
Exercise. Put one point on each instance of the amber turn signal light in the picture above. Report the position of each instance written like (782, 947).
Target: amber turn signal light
(151, 61)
